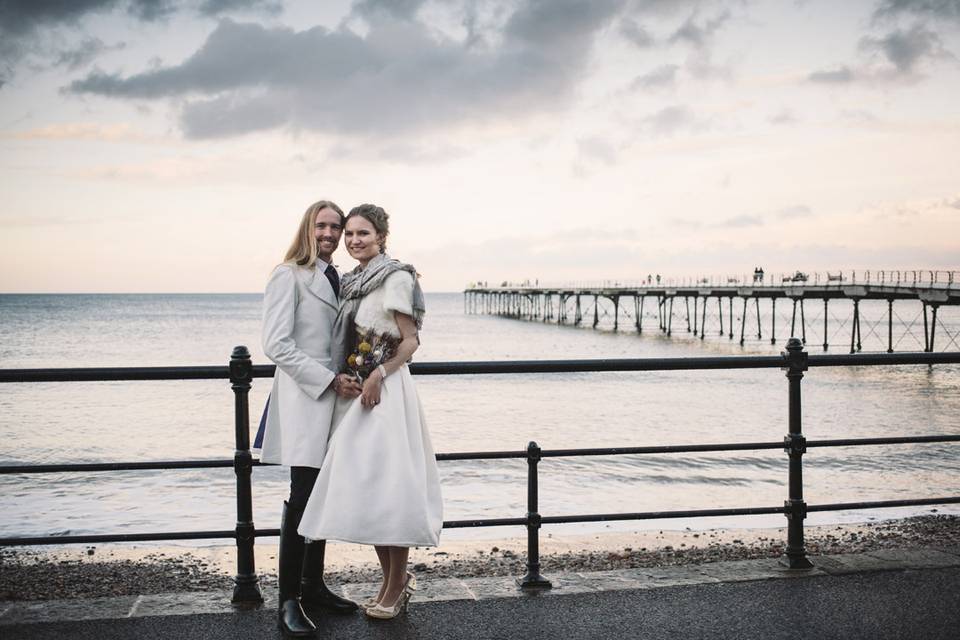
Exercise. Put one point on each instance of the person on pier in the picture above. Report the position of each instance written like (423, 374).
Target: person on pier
(379, 484)
(299, 310)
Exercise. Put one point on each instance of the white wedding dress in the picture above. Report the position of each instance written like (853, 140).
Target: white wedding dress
(379, 482)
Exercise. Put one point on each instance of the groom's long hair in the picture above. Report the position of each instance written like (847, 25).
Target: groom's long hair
(303, 249)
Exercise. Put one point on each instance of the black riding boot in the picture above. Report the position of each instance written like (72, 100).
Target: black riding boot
(293, 621)
(313, 591)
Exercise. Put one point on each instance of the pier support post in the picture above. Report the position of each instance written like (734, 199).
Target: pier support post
(578, 317)
(855, 328)
(246, 589)
(686, 301)
(933, 325)
(669, 317)
(773, 321)
(803, 325)
(616, 312)
(759, 326)
(743, 321)
(696, 300)
(533, 579)
(720, 313)
(826, 342)
(793, 318)
(596, 312)
(731, 317)
(795, 445)
(703, 319)
(640, 316)
(890, 325)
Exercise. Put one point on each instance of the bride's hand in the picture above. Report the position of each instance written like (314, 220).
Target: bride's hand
(370, 397)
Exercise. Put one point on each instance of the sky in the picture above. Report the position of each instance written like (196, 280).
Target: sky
(173, 145)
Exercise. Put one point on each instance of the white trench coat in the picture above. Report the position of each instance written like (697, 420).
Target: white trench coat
(299, 309)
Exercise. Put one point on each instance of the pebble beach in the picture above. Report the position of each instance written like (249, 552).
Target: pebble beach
(58, 573)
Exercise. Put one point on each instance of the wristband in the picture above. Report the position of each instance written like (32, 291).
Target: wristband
(383, 372)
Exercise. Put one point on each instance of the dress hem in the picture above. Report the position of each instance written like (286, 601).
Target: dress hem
(378, 544)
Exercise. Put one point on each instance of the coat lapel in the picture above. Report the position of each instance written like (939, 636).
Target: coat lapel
(317, 284)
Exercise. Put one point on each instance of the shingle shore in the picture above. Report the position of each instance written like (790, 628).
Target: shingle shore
(38, 575)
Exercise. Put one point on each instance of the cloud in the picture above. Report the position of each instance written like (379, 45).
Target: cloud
(792, 212)
(384, 10)
(784, 116)
(738, 222)
(24, 24)
(698, 34)
(894, 57)
(838, 75)
(635, 33)
(670, 120)
(858, 116)
(905, 49)
(596, 148)
(795, 211)
(399, 77)
(215, 8)
(416, 154)
(936, 9)
(84, 53)
(663, 76)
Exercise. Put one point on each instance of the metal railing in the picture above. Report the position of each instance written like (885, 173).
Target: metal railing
(241, 373)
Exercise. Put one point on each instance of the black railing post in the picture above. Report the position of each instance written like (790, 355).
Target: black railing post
(533, 579)
(246, 588)
(795, 445)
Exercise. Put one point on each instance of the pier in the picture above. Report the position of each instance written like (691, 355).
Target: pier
(707, 306)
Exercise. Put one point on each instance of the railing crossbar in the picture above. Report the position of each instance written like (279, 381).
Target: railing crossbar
(488, 455)
(493, 522)
(113, 374)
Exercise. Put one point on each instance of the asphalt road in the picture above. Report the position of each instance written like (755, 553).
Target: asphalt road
(923, 604)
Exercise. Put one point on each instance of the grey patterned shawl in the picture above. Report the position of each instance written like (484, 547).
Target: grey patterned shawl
(353, 287)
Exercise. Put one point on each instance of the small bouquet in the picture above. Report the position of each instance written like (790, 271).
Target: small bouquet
(371, 351)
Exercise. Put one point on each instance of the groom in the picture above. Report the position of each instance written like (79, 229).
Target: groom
(299, 309)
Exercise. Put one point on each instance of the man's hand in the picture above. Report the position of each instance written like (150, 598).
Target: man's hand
(346, 386)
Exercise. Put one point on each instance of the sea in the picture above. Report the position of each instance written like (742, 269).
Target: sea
(45, 423)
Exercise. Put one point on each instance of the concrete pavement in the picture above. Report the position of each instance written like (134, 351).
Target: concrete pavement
(910, 593)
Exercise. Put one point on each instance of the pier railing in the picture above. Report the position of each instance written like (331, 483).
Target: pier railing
(888, 278)
(241, 372)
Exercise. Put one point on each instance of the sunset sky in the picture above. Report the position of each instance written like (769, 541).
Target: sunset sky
(172, 145)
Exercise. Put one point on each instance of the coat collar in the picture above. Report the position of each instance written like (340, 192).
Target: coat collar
(315, 280)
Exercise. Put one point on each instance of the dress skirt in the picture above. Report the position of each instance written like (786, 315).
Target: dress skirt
(379, 482)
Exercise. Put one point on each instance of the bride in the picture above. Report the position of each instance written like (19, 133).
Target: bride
(379, 483)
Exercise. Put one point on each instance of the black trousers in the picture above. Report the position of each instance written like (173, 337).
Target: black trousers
(302, 480)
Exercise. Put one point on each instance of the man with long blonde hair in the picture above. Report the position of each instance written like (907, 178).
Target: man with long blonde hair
(299, 309)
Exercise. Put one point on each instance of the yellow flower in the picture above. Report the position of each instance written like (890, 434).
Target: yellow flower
(352, 360)
(364, 347)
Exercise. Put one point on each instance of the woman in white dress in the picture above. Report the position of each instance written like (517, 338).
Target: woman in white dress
(379, 483)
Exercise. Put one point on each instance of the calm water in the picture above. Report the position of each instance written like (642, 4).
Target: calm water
(115, 421)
